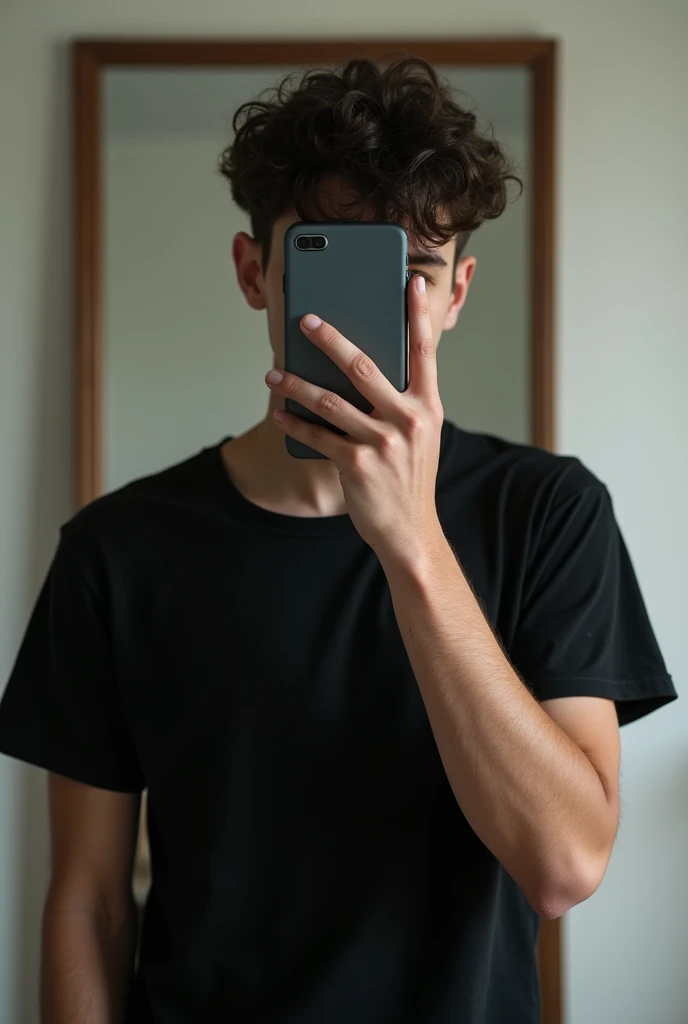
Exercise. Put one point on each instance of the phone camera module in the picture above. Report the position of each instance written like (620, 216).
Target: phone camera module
(310, 242)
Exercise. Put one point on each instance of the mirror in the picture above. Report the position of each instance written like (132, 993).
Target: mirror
(183, 354)
(170, 356)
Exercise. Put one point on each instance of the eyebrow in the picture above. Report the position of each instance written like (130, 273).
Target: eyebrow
(427, 259)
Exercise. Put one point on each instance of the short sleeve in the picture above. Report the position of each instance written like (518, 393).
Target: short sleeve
(583, 628)
(61, 709)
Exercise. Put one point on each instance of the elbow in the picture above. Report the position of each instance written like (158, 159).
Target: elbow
(552, 903)
(112, 910)
(556, 891)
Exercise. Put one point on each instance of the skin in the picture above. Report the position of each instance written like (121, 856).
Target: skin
(89, 918)
(538, 782)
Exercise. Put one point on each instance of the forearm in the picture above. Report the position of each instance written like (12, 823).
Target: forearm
(87, 963)
(528, 791)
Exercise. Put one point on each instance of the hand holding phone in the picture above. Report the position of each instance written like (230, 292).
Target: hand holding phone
(387, 459)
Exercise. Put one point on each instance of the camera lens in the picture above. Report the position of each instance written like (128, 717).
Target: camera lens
(303, 242)
(319, 242)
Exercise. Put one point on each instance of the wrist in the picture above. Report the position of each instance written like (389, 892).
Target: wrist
(418, 556)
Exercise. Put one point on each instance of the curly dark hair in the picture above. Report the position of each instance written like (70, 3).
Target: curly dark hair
(396, 134)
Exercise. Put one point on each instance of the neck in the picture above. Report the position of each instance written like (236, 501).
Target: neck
(263, 470)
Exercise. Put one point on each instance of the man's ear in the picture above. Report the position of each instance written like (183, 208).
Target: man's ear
(462, 279)
(247, 255)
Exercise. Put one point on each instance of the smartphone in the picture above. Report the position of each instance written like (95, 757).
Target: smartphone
(354, 275)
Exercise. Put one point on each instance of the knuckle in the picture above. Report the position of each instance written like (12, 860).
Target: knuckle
(437, 409)
(437, 415)
(414, 423)
(292, 384)
(388, 442)
(363, 365)
(329, 401)
(328, 336)
(426, 348)
(423, 305)
(313, 432)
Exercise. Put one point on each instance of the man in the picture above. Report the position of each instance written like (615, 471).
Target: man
(375, 699)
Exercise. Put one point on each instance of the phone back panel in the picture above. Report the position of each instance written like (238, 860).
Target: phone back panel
(357, 284)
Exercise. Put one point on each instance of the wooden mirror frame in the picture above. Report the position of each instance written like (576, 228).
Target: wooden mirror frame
(91, 57)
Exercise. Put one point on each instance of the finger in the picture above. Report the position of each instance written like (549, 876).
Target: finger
(320, 438)
(327, 404)
(422, 348)
(363, 373)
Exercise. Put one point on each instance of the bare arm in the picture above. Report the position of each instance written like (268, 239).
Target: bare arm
(542, 796)
(538, 785)
(89, 920)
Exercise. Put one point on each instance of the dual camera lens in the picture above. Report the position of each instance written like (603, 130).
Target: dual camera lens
(310, 242)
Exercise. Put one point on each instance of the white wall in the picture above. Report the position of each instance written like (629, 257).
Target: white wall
(622, 371)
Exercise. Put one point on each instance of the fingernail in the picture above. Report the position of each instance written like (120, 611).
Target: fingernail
(274, 376)
(420, 283)
(310, 322)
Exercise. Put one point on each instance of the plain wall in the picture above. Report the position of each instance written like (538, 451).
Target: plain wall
(621, 377)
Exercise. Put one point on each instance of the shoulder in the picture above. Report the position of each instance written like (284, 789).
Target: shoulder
(136, 511)
(515, 473)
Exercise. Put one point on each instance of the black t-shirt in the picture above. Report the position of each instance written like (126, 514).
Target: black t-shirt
(310, 863)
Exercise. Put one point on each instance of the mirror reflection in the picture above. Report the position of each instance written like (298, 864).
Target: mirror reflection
(184, 356)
